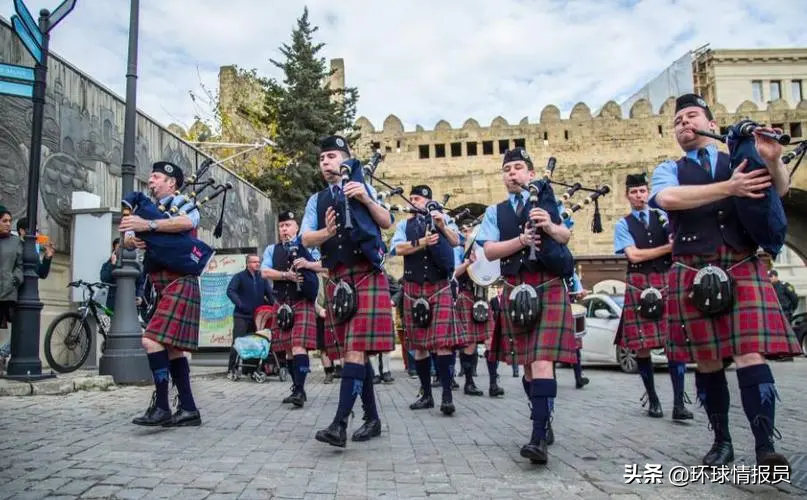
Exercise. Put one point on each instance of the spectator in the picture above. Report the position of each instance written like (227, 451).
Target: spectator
(786, 294)
(43, 268)
(247, 290)
(106, 277)
(10, 270)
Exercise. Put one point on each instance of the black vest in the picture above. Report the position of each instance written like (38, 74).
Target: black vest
(654, 236)
(704, 229)
(285, 291)
(510, 226)
(341, 248)
(420, 267)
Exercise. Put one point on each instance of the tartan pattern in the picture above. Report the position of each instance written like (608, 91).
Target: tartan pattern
(755, 324)
(444, 330)
(552, 337)
(475, 333)
(303, 333)
(636, 332)
(371, 328)
(326, 340)
(175, 322)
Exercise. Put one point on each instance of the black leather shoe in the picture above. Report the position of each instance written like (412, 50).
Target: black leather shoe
(376, 380)
(771, 459)
(535, 452)
(655, 409)
(721, 453)
(334, 435)
(447, 408)
(581, 382)
(153, 417)
(369, 430)
(454, 385)
(550, 435)
(472, 390)
(184, 418)
(422, 403)
(387, 378)
(495, 391)
(297, 399)
(681, 413)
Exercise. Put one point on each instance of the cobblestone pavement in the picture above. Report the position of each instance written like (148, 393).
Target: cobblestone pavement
(251, 446)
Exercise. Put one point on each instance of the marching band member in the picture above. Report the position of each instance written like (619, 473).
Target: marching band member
(643, 237)
(731, 310)
(476, 332)
(550, 338)
(427, 292)
(356, 277)
(290, 265)
(174, 327)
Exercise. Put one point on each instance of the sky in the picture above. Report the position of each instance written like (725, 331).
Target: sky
(422, 60)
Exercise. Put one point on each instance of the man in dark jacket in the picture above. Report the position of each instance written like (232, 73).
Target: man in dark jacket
(786, 294)
(43, 269)
(106, 277)
(247, 290)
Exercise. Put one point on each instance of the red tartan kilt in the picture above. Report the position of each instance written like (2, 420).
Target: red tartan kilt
(175, 322)
(755, 324)
(636, 332)
(552, 338)
(331, 345)
(444, 330)
(304, 331)
(475, 333)
(371, 328)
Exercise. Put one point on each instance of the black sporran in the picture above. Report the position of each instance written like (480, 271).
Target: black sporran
(651, 304)
(421, 313)
(524, 306)
(713, 291)
(344, 302)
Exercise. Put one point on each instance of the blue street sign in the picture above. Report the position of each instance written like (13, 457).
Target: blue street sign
(14, 72)
(17, 89)
(28, 21)
(59, 13)
(32, 47)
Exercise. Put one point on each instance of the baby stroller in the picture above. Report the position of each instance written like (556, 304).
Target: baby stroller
(254, 355)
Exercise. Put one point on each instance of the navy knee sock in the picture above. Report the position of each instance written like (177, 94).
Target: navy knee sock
(526, 384)
(423, 368)
(467, 363)
(677, 371)
(758, 393)
(578, 367)
(542, 393)
(181, 373)
(158, 362)
(435, 366)
(646, 372)
(353, 375)
(368, 393)
(493, 367)
(713, 391)
(302, 365)
(444, 367)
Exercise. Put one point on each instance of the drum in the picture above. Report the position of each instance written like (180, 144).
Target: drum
(579, 314)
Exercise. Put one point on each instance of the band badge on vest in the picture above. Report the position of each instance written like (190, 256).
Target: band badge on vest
(421, 313)
(524, 306)
(480, 311)
(344, 303)
(651, 303)
(713, 291)
(285, 317)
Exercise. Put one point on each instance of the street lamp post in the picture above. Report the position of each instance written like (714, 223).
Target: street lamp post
(124, 358)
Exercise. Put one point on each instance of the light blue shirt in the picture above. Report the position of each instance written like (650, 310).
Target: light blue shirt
(459, 253)
(490, 224)
(576, 285)
(622, 237)
(269, 253)
(309, 222)
(400, 233)
(183, 204)
(666, 173)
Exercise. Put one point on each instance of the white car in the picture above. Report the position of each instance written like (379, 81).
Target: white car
(602, 320)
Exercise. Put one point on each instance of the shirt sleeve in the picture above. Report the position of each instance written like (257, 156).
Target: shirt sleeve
(309, 222)
(459, 252)
(665, 175)
(622, 237)
(398, 237)
(193, 215)
(268, 255)
(489, 229)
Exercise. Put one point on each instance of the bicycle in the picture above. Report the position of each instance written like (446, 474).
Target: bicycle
(78, 339)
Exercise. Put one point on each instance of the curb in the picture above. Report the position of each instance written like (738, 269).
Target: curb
(55, 387)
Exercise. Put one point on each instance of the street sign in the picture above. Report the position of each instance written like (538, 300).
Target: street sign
(26, 38)
(58, 14)
(14, 72)
(17, 89)
(28, 21)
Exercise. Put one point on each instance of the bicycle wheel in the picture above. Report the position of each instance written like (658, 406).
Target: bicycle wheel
(67, 342)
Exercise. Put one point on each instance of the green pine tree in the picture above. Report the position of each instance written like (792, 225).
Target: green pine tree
(304, 110)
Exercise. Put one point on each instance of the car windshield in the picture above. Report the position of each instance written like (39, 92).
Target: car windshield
(619, 299)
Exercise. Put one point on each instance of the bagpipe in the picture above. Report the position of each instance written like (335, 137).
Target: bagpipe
(178, 252)
(763, 219)
(554, 256)
(310, 284)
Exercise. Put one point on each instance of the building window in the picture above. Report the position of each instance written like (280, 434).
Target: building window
(470, 148)
(660, 131)
(439, 150)
(423, 151)
(795, 129)
(504, 145)
(724, 130)
(566, 134)
(776, 90)
(487, 147)
(756, 90)
(519, 143)
(388, 149)
(376, 146)
(546, 136)
(456, 149)
(795, 91)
